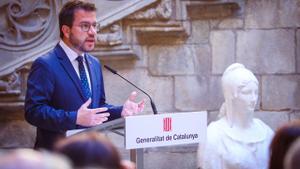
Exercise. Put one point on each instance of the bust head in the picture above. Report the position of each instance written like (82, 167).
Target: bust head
(240, 89)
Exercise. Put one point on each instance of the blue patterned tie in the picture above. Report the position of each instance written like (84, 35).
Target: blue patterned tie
(83, 78)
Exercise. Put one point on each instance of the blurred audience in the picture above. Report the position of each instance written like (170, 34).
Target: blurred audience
(283, 139)
(31, 159)
(292, 158)
(92, 149)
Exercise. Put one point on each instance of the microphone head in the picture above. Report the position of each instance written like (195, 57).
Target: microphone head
(110, 69)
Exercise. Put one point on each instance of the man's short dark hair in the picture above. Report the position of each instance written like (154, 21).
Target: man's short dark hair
(66, 14)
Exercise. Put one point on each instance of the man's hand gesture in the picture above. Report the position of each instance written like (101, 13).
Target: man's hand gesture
(91, 117)
(132, 108)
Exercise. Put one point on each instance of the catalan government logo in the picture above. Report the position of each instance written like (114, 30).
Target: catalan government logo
(167, 124)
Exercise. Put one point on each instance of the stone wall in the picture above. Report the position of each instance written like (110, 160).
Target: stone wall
(184, 74)
(178, 55)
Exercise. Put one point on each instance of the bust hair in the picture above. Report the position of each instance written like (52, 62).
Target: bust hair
(234, 78)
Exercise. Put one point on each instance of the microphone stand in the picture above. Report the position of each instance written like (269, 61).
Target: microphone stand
(151, 101)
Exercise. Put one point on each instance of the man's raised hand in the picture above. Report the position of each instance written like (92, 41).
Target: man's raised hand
(132, 108)
(91, 117)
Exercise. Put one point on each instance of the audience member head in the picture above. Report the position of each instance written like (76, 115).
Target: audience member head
(283, 139)
(292, 158)
(90, 149)
(240, 89)
(31, 159)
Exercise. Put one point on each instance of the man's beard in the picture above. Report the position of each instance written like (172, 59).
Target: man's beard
(79, 45)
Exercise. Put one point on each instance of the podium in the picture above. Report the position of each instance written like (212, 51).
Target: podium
(168, 129)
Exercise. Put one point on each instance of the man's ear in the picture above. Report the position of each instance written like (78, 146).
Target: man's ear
(66, 31)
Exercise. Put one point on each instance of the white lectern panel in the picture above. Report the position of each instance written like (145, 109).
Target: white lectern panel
(165, 129)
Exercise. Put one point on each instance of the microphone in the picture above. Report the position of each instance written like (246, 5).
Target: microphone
(151, 101)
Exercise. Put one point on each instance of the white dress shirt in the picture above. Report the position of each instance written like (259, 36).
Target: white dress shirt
(72, 55)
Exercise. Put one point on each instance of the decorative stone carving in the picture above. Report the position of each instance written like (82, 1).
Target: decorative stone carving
(162, 11)
(10, 84)
(13, 86)
(111, 11)
(25, 23)
(114, 37)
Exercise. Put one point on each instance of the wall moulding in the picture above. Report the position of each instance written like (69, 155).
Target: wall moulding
(117, 52)
(154, 33)
(204, 9)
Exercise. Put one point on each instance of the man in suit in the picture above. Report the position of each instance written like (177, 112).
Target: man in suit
(65, 88)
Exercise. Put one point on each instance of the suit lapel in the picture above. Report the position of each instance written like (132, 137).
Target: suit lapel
(93, 78)
(67, 65)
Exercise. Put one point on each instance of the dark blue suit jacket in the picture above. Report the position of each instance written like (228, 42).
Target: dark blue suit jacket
(54, 95)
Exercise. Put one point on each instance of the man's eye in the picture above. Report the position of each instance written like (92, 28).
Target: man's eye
(85, 25)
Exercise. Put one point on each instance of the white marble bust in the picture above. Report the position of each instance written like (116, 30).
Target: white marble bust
(237, 140)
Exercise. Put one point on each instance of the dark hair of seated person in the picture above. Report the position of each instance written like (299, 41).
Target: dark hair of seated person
(90, 149)
(292, 158)
(283, 139)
